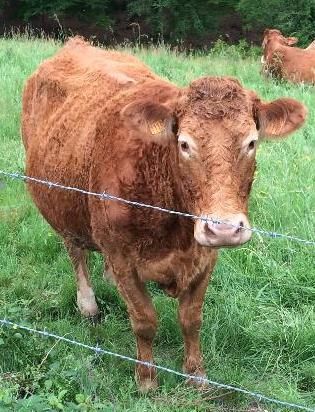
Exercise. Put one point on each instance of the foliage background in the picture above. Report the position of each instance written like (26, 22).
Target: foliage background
(189, 22)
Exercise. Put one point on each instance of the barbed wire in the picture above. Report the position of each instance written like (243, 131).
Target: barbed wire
(108, 196)
(260, 397)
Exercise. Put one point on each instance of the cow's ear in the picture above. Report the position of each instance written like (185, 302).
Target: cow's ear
(265, 39)
(279, 117)
(266, 31)
(150, 120)
(291, 40)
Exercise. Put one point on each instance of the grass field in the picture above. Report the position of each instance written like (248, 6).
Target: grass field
(259, 318)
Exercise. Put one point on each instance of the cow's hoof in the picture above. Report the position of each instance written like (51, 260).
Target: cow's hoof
(198, 380)
(87, 305)
(146, 379)
(199, 384)
(147, 385)
(95, 319)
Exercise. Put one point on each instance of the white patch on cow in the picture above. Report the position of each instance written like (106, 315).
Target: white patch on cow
(264, 43)
(262, 59)
(250, 143)
(187, 145)
(86, 302)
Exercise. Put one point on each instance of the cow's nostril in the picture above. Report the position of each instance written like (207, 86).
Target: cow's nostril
(208, 229)
(240, 226)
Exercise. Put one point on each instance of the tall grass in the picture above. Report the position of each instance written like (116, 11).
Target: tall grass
(259, 320)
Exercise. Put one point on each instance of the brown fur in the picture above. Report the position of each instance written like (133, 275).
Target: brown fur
(103, 121)
(281, 60)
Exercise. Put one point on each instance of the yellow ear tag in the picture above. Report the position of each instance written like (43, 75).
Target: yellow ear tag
(157, 127)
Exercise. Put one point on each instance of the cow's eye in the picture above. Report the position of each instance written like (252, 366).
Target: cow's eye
(184, 146)
(184, 149)
(251, 145)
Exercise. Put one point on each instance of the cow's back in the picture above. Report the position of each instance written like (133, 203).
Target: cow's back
(294, 64)
(61, 105)
(78, 69)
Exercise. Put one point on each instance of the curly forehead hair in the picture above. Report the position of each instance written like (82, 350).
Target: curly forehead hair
(216, 97)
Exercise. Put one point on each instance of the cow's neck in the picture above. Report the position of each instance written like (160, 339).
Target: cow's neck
(275, 47)
(157, 182)
(158, 176)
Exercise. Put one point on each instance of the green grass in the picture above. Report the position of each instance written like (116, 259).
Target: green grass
(259, 320)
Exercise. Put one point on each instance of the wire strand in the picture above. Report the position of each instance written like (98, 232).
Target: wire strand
(108, 196)
(97, 349)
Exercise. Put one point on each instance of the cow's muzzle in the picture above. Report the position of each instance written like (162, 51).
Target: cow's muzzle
(222, 232)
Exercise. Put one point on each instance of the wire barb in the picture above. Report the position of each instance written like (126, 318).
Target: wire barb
(108, 196)
(260, 397)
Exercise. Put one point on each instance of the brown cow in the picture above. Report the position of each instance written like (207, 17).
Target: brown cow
(291, 41)
(283, 61)
(103, 121)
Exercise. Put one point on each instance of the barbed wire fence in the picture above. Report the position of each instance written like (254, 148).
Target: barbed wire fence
(107, 196)
(260, 397)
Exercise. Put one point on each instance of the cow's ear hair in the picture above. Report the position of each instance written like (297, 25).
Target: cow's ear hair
(279, 118)
(150, 120)
(291, 40)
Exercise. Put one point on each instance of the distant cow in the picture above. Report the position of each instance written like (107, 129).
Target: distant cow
(283, 61)
(102, 121)
(291, 41)
(288, 41)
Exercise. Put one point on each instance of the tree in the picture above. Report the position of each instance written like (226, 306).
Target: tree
(293, 17)
(181, 18)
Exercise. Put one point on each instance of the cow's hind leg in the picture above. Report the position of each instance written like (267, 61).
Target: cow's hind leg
(85, 296)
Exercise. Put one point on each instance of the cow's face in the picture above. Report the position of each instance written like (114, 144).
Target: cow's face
(217, 139)
(273, 38)
(218, 127)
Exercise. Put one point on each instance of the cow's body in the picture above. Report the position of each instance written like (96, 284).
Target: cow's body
(67, 152)
(102, 121)
(283, 61)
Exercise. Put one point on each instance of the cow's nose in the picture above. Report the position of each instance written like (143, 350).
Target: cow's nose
(228, 231)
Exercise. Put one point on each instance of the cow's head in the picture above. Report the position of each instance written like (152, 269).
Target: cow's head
(214, 128)
(273, 38)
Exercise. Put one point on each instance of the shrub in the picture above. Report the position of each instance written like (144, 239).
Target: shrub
(293, 17)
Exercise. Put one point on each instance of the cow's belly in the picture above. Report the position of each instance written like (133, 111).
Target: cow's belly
(65, 211)
(64, 160)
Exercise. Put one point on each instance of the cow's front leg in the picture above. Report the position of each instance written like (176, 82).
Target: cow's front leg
(144, 324)
(190, 316)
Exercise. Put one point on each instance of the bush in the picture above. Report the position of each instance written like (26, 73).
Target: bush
(177, 20)
(241, 50)
(95, 10)
(180, 18)
(293, 17)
